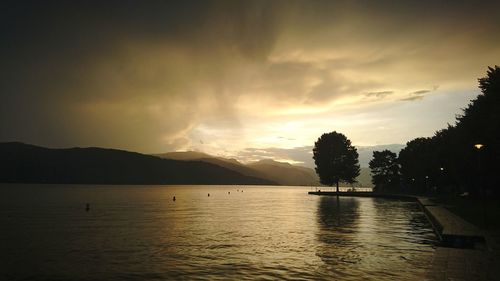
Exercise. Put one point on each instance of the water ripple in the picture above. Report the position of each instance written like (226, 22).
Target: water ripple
(265, 233)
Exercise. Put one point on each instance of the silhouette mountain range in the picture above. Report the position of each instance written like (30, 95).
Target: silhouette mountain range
(278, 172)
(24, 163)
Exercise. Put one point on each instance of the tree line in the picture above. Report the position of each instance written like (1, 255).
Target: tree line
(462, 158)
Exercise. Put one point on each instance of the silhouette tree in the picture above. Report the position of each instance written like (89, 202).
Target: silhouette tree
(336, 159)
(418, 164)
(385, 170)
(448, 161)
(480, 123)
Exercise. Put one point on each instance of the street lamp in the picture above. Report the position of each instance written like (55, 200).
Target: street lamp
(440, 185)
(478, 147)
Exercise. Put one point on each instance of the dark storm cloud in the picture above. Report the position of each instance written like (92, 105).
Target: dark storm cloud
(90, 71)
(60, 28)
(142, 75)
(64, 39)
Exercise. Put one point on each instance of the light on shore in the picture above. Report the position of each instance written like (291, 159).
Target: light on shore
(478, 146)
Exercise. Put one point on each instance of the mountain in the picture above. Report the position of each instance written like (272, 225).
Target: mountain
(366, 152)
(25, 163)
(285, 173)
(230, 164)
(278, 172)
(365, 178)
(187, 155)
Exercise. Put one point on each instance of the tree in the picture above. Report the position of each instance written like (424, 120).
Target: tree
(480, 123)
(385, 170)
(336, 159)
(418, 164)
(448, 161)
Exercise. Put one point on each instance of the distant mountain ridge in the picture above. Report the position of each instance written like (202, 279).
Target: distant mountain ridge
(24, 163)
(263, 168)
(286, 173)
(366, 152)
(279, 172)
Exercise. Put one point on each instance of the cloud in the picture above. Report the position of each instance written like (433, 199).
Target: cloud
(297, 155)
(418, 95)
(412, 98)
(160, 75)
(379, 95)
(303, 155)
(152, 71)
(285, 138)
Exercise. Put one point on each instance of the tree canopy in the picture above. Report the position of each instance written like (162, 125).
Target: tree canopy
(385, 170)
(336, 159)
(449, 161)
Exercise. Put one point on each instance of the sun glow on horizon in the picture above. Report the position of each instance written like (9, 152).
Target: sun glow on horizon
(255, 76)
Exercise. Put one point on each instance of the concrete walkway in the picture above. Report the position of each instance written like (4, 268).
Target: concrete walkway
(465, 252)
(451, 229)
(464, 264)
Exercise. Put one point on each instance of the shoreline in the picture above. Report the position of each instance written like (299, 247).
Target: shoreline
(451, 230)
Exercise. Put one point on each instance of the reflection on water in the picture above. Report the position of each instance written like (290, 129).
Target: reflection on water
(373, 238)
(138, 233)
(337, 219)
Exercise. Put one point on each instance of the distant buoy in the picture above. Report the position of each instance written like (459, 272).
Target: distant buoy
(173, 199)
(229, 192)
(209, 195)
(87, 207)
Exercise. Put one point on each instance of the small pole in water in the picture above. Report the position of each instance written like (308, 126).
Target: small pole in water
(87, 207)
(229, 192)
(209, 195)
(173, 199)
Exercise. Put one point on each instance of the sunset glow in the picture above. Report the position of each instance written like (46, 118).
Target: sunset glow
(232, 77)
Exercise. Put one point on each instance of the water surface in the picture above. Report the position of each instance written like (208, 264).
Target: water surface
(236, 233)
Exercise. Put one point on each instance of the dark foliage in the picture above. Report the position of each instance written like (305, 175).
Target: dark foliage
(336, 159)
(24, 163)
(448, 162)
(385, 171)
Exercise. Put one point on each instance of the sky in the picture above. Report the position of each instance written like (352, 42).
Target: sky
(242, 79)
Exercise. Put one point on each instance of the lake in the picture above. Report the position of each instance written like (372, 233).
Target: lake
(236, 233)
